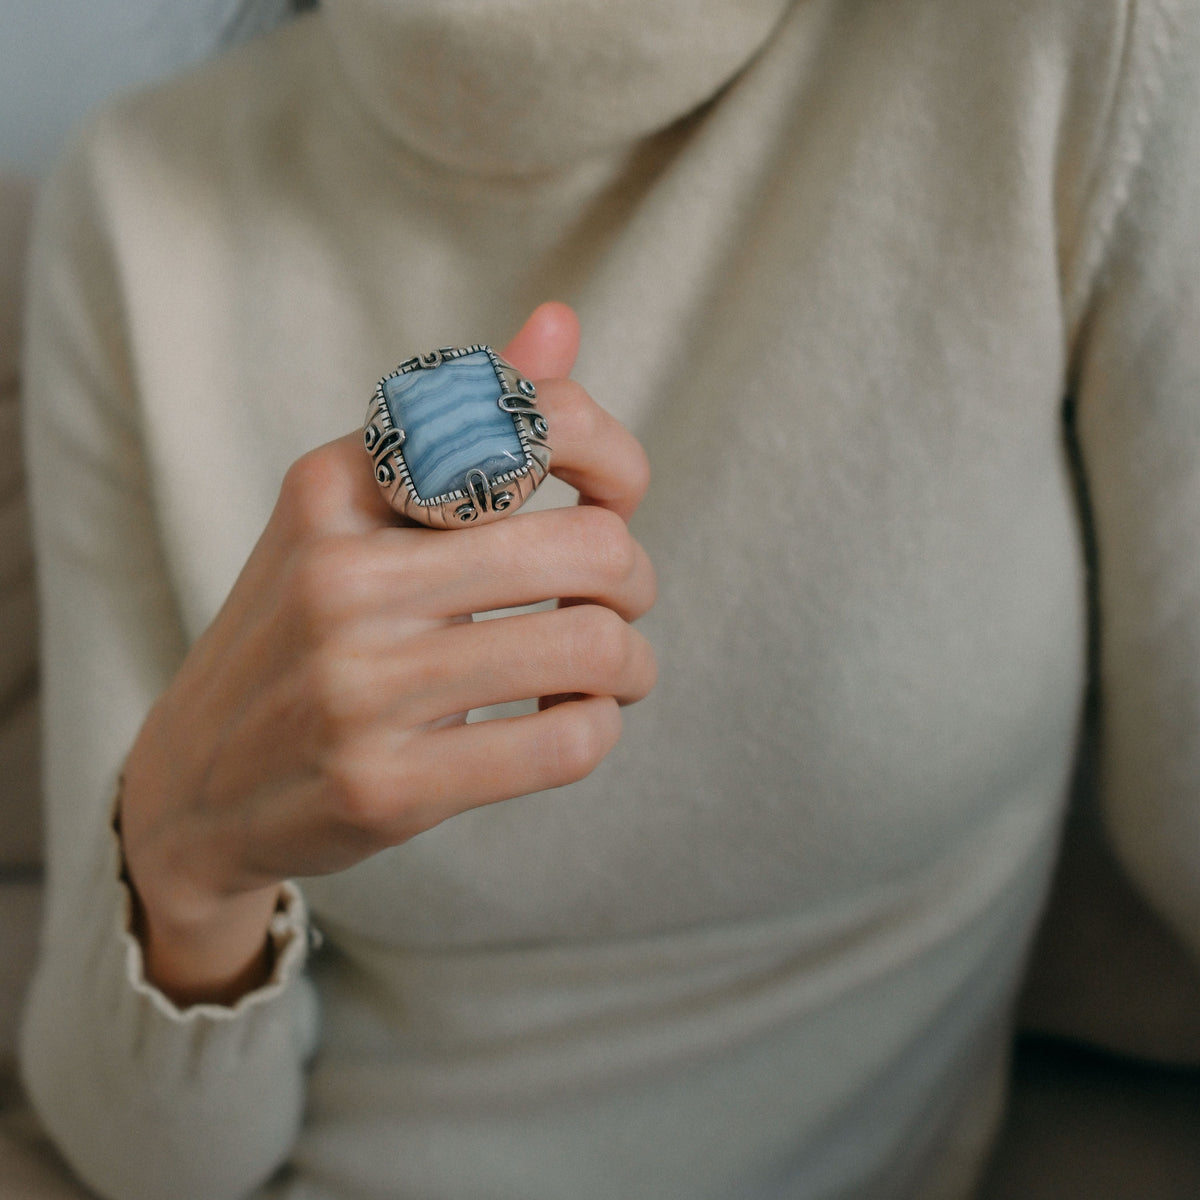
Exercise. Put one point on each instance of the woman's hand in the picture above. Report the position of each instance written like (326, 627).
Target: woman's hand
(320, 718)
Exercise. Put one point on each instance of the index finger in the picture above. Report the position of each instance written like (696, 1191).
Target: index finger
(332, 490)
(591, 450)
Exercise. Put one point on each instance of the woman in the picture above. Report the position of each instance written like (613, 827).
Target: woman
(841, 269)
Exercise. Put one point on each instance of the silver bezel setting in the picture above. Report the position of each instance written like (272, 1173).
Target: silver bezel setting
(481, 498)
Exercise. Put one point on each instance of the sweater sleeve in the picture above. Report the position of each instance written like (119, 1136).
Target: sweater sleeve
(144, 1100)
(1135, 304)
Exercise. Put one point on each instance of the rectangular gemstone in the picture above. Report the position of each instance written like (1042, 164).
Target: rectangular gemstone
(452, 423)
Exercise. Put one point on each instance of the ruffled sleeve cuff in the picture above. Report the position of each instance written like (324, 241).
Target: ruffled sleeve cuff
(291, 935)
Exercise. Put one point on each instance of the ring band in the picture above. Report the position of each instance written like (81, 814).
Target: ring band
(455, 438)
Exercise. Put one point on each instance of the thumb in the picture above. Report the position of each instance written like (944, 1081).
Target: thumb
(546, 346)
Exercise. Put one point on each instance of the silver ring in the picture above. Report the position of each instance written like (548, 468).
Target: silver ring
(455, 438)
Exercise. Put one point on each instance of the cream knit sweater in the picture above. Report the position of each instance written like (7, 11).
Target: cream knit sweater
(839, 264)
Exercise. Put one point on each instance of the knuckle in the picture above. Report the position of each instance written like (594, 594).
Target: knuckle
(374, 799)
(639, 469)
(575, 418)
(610, 546)
(572, 403)
(351, 790)
(642, 672)
(584, 735)
(303, 502)
(604, 639)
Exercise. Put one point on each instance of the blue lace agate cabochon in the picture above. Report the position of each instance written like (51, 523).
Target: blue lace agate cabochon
(452, 424)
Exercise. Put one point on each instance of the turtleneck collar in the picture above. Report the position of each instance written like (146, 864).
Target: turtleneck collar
(513, 87)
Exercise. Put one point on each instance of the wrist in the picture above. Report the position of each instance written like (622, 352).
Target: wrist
(207, 954)
(197, 947)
